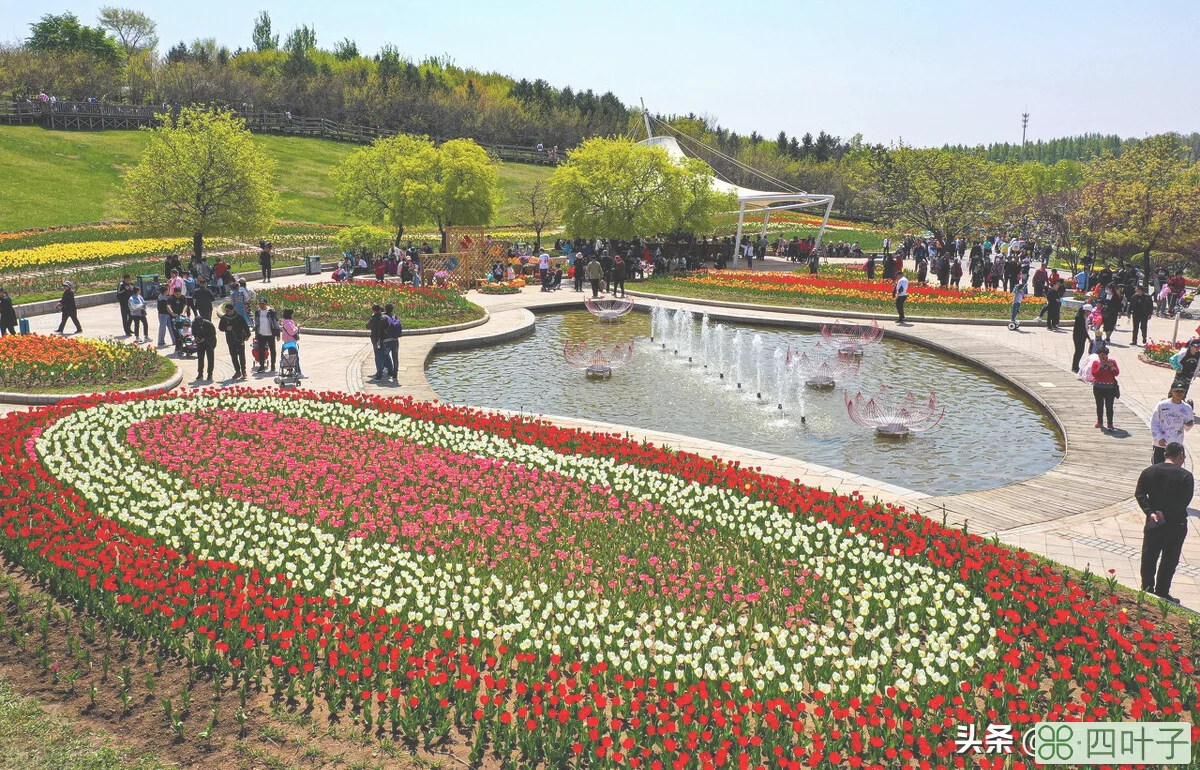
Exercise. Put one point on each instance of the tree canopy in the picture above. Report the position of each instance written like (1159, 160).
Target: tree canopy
(391, 182)
(64, 34)
(946, 193)
(134, 30)
(616, 188)
(1146, 199)
(467, 191)
(202, 174)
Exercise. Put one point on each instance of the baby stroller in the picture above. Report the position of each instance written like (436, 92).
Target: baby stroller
(185, 342)
(289, 366)
(260, 353)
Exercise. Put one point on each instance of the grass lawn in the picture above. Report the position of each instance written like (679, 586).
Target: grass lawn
(883, 306)
(71, 177)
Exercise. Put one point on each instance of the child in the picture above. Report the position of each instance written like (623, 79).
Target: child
(380, 269)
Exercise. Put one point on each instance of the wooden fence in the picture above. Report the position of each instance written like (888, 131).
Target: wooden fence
(89, 116)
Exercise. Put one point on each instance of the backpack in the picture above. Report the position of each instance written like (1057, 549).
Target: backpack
(394, 327)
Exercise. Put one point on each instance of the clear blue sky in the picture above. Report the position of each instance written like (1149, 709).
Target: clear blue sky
(928, 72)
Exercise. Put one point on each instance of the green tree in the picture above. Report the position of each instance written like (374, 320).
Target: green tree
(345, 49)
(1148, 198)
(947, 193)
(391, 182)
(695, 205)
(262, 37)
(540, 211)
(134, 30)
(467, 191)
(64, 34)
(369, 238)
(615, 188)
(202, 174)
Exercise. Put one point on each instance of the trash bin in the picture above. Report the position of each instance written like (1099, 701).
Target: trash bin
(312, 264)
(149, 286)
(24, 324)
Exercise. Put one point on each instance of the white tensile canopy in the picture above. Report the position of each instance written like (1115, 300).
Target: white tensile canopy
(756, 201)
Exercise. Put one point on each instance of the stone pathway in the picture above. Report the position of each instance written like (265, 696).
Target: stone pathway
(1080, 513)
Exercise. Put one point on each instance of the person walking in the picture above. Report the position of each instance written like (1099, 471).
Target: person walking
(606, 267)
(266, 329)
(8, 314)
(124, 291)
(237, 331)
(594, 274)
(137, 315)
(578, 270)
(241, 297)
(900, 291)
(618, 275)
(67, 306)
(1079, 335)
(1164, 491)
(205, 335)
(1169, 421)
(1105, 388)
(266, 256)
(1141, 307)
(203, 299)
(1185, 362)
(393, 330)
(1053, 308)
(377, 326)
(1111, 312)
(870, 267)
(1015, 310)
(543, 268)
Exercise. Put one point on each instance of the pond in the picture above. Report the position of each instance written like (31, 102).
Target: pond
(991, 434)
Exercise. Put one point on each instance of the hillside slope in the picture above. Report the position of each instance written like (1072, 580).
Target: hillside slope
(66, 178)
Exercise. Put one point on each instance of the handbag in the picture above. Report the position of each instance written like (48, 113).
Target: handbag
(1116, 389)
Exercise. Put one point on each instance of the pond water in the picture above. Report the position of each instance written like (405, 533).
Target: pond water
(991, 435)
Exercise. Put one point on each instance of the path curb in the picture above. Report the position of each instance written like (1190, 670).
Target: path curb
(49, 306)
(819, 312)
(44, 399)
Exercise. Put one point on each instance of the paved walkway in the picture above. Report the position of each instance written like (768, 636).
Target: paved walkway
(1080, 513)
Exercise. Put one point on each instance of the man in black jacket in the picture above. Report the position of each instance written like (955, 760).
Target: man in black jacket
(67, 306)
(377, 325)
(1079, 334)
(206, 344)
(237, 331)
(203, 299)
(1141, 307)
(124, 290)
(1164, 492)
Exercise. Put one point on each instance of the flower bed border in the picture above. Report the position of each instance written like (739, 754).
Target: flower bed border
(319, 332)
(1152, 362)
(42, 399)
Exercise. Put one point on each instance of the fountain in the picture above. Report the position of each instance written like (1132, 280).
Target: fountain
(736, 373)
(851, 339)
(722, 365)
(705, 340)
(756, 345)
(598, 362)
(658, 316)
(608, 308)
(895, 418)
(781, 378)
(823, 371)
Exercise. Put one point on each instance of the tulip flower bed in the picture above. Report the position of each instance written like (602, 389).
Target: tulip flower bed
(506, 287)
(830, 291)
(554, 597)
(1160, 352)
(93, 252)
(348, 305)
(44, 364)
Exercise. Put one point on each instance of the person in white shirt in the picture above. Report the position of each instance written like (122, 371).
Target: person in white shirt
(543, 266)
(901, 293)
(1171, 418)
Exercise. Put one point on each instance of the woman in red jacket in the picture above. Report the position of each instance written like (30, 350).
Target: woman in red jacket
(1104, 386)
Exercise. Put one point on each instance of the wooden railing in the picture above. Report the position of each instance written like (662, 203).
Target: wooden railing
(92, 116)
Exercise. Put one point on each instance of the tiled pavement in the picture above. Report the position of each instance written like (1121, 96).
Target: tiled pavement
(1080, 513)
